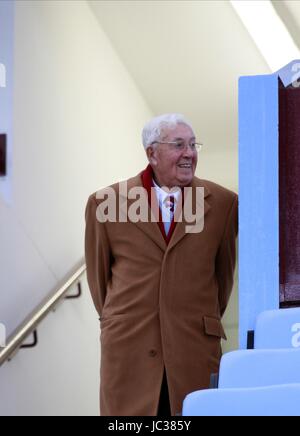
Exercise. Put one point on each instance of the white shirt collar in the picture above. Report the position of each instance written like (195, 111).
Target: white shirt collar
(162, 195)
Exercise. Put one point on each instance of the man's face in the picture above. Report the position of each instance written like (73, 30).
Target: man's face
(173, 167)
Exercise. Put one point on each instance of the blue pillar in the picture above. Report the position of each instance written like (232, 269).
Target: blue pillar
(258, 199)
(259, 193)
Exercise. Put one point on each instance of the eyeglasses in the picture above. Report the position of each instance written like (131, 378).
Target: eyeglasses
(180, 145)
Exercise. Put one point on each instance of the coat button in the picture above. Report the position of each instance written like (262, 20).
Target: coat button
(152, 353)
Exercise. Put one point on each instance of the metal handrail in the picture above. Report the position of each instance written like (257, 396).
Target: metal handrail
(17, 338)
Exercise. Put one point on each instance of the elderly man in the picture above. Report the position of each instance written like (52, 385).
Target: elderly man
(159, 289)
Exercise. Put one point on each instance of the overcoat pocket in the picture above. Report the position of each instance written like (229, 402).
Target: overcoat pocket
(213, 327)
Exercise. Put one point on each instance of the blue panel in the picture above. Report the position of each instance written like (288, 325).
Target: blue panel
(278, 400)
(250, 368)
(278, 329)
(258, 199)
(290, 73)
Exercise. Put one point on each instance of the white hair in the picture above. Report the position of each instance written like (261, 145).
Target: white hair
(152, 129)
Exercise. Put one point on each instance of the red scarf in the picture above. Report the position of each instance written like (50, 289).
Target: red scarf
(147, 181)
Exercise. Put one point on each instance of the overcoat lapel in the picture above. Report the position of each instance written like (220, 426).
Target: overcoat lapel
(151, 227)
(182, 224)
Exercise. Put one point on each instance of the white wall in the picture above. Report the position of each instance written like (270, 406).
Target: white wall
(6, 89)
(222, 167)
(219, 166)
(77, 121)
(60, 377)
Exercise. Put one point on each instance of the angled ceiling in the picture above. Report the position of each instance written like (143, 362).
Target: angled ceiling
(185, 56)
(289, 12)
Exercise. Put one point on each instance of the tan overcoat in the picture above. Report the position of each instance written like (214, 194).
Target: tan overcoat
(160, 305)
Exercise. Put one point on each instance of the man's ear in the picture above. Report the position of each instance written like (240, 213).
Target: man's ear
(151, 154)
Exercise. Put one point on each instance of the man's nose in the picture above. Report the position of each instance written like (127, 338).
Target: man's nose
(188, 152)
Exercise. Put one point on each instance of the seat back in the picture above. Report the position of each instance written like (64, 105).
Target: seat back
(278, 329)
(282, 400)
(253, 368)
